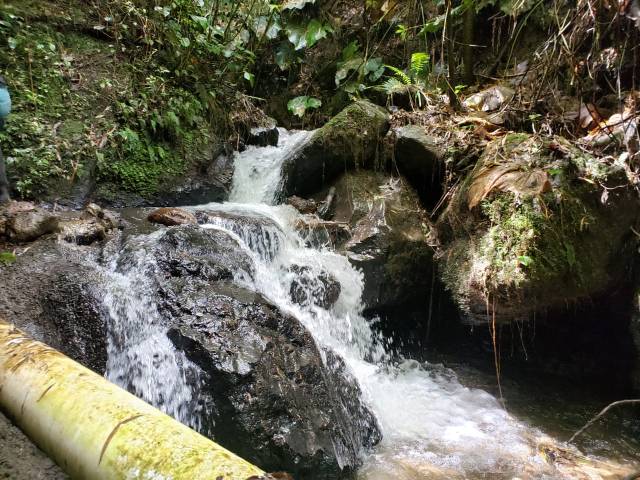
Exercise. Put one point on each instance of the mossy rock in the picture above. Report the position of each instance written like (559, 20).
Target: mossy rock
(524, 247)
(349, 140)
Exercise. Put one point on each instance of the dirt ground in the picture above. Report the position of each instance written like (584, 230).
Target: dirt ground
(22, 460)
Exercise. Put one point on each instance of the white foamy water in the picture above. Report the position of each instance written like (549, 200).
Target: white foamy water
(256, 176)
(430, 422)
(140, 356)
(432, 425)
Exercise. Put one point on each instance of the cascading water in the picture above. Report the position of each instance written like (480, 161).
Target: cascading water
(140, 356)
(428, 418)
(433, 427)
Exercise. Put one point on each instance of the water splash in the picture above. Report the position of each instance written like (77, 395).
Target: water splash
(140, 356)
(426, 415)
(258, 181)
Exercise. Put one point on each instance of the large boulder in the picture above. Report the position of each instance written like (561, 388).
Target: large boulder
(274, 397)
(28, 225)
(537, 224)
(421, 159)
(350, 139)
(390, 240)
(209, 179)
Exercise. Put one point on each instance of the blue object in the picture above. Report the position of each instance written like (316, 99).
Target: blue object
(5, 103)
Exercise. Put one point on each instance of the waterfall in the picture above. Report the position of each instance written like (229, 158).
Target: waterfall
(427, 417)
(432, 425)
(140, 356)
(258, 181)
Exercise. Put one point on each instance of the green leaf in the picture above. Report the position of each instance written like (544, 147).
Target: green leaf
(350, 50)
(435, 24)
(173, 118)
(400, 75)
(374, 69)
(250, 77)
(296, 35)
(315, 32)
(419, 64)
(347, 66)
(285, 56)
(299, 105)
(525, 260)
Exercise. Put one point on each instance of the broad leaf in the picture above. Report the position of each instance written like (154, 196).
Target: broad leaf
(299, 105)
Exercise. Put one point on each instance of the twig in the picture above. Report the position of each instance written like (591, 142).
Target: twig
(603, 412)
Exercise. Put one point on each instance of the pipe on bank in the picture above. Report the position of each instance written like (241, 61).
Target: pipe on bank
(94, 429)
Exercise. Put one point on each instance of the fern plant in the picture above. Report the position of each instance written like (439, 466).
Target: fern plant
(413, 80)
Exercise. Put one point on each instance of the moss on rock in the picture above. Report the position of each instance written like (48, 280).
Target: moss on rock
(515, 252)
(349, 140)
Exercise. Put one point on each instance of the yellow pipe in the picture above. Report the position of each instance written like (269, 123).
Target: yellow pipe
(95, 430)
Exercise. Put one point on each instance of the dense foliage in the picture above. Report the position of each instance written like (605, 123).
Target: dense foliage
(136, 93)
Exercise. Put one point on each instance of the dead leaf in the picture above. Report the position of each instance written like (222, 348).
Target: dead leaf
(507, 178)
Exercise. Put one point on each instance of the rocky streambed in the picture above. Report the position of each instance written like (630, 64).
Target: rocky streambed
(291, 322)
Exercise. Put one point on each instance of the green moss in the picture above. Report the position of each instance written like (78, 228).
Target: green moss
(355, 132)
(82, 109)
(7, 258)
(561, 244)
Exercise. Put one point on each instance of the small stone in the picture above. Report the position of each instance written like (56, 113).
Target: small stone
(303, 205)
(172, 216)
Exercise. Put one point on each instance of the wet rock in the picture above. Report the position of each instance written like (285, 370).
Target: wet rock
(420, 158)
(27, 226)
(48, 292)
(308, 287)
(82, 232)
(172, 216)
(303, 205)
(265, 379)
(514, 246)
(351, 139)
(89, 226)
(208, 179)
(327, 207)
(263, 137)
(207, 254)
(390, 240)
(211, 184)
(317, 233)
(262, 234)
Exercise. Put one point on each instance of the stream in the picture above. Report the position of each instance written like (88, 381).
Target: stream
(434, 422)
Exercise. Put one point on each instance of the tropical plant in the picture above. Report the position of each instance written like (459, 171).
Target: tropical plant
(298, 106)
(413, 81)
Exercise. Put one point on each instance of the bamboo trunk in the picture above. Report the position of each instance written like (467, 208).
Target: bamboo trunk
(93, 429)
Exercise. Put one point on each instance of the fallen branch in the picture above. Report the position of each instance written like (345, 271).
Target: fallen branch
(601, 414)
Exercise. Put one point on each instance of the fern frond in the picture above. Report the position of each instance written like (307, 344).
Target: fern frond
(391, 86)
(400, 75)
(419, 64)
